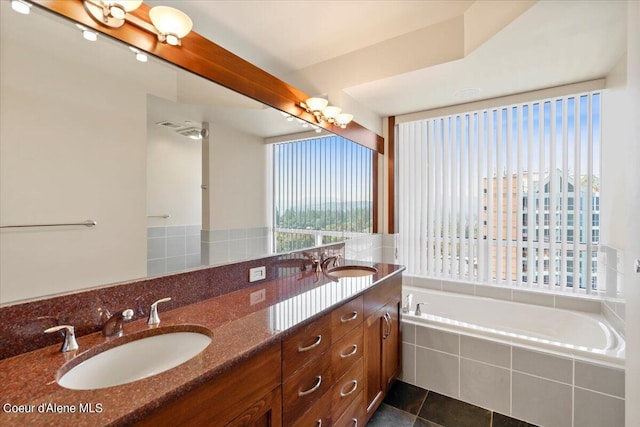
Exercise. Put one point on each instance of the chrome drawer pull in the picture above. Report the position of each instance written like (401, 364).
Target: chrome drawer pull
(354, 316)
(354, 351)
(355, 422)
(353, 389)
(312, 389)
(314, 345)
(319, 422)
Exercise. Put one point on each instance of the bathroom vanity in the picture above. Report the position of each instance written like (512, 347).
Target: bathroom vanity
(306, 349)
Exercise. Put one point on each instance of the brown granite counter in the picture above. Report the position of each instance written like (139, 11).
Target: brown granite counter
(31, 395)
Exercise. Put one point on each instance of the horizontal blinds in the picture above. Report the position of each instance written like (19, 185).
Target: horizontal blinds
(507, 195)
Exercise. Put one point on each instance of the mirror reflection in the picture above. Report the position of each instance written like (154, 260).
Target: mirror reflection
(151, 153)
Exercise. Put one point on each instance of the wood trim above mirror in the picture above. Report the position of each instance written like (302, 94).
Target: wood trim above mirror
(211, 61)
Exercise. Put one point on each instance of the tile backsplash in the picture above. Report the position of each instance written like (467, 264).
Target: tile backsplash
(230, 245)
(173, 248)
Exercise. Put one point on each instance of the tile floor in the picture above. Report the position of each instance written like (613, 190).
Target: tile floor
(410, 406)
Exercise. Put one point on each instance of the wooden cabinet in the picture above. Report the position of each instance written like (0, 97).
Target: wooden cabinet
(322, 367)
(237, 397)
(381, 341)
(332, 371)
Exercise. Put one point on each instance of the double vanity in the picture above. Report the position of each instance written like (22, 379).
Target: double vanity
(306, 349)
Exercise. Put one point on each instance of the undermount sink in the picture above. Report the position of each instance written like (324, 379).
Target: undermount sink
(135, 360)
(351, 271)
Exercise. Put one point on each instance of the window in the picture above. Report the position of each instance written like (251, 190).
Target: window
(476, 188)
(322, 191)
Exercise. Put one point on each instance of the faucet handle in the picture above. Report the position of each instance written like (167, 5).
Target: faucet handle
(70, 343)
(154, 319)
(418, 312)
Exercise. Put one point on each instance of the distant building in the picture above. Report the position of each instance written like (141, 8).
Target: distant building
(543, 225)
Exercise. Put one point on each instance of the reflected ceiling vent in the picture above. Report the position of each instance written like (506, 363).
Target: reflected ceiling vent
(193, 133)
(169, 125)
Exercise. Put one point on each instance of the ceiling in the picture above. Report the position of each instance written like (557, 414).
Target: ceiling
(374, 51)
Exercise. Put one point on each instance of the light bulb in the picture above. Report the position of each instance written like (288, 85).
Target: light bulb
(20, 7)
(171, 23)
(316, 104)
(141, 57)
(172, 39)
(331, 112)
(89, 35)
(344, 119)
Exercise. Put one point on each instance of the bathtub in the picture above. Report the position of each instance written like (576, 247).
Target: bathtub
(547, 366)
(580, 334)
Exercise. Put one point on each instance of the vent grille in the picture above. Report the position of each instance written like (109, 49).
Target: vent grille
(194, 133)
(170, 125)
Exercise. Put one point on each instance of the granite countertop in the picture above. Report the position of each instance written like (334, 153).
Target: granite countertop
(238, 329)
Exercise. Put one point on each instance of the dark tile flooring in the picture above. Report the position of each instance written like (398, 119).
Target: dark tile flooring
(410, 406)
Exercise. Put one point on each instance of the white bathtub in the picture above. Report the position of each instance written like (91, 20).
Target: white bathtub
(578, 334)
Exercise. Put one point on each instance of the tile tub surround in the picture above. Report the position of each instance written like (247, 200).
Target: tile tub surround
(173, 248)
(232, 245)
(239, 330)
(22, 324)
(540, 388)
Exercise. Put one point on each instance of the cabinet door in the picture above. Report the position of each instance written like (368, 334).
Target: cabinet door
(382, 353)
(391, 343)
(267, 412)
(375, 327)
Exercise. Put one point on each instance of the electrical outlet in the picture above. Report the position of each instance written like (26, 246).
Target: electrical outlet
(257, 296)
(258, 273)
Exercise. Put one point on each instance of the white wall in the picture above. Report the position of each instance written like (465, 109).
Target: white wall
(631, 165)
(237, 180)
(174, 176)
(615, 148)
(72, 147)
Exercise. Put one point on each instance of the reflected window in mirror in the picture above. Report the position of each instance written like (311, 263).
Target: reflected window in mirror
(322, 191)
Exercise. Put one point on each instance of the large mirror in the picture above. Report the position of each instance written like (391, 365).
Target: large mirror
(152, 154)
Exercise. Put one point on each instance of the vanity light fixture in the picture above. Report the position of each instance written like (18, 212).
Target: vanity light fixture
(87, 34)
(139, 55)
(21, 6)
(168, 24)
(323, 112)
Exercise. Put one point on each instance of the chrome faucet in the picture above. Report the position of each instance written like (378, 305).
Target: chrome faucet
(324, 265)
(113, 326)
(315, 263)
(70, 343)
(154, 319)
(418, 312)
(406, 304)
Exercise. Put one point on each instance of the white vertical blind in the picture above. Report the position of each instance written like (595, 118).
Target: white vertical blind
(322, 190)
(507, 195)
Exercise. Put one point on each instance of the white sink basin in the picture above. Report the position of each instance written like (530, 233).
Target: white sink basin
(135, 360)
(351, 271)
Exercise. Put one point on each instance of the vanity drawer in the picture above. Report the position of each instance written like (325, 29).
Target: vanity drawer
(354, 416)
(319, 415)
(346, 317)
(347, 388)
(345, 352)
(301, 347)
(305, 387)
